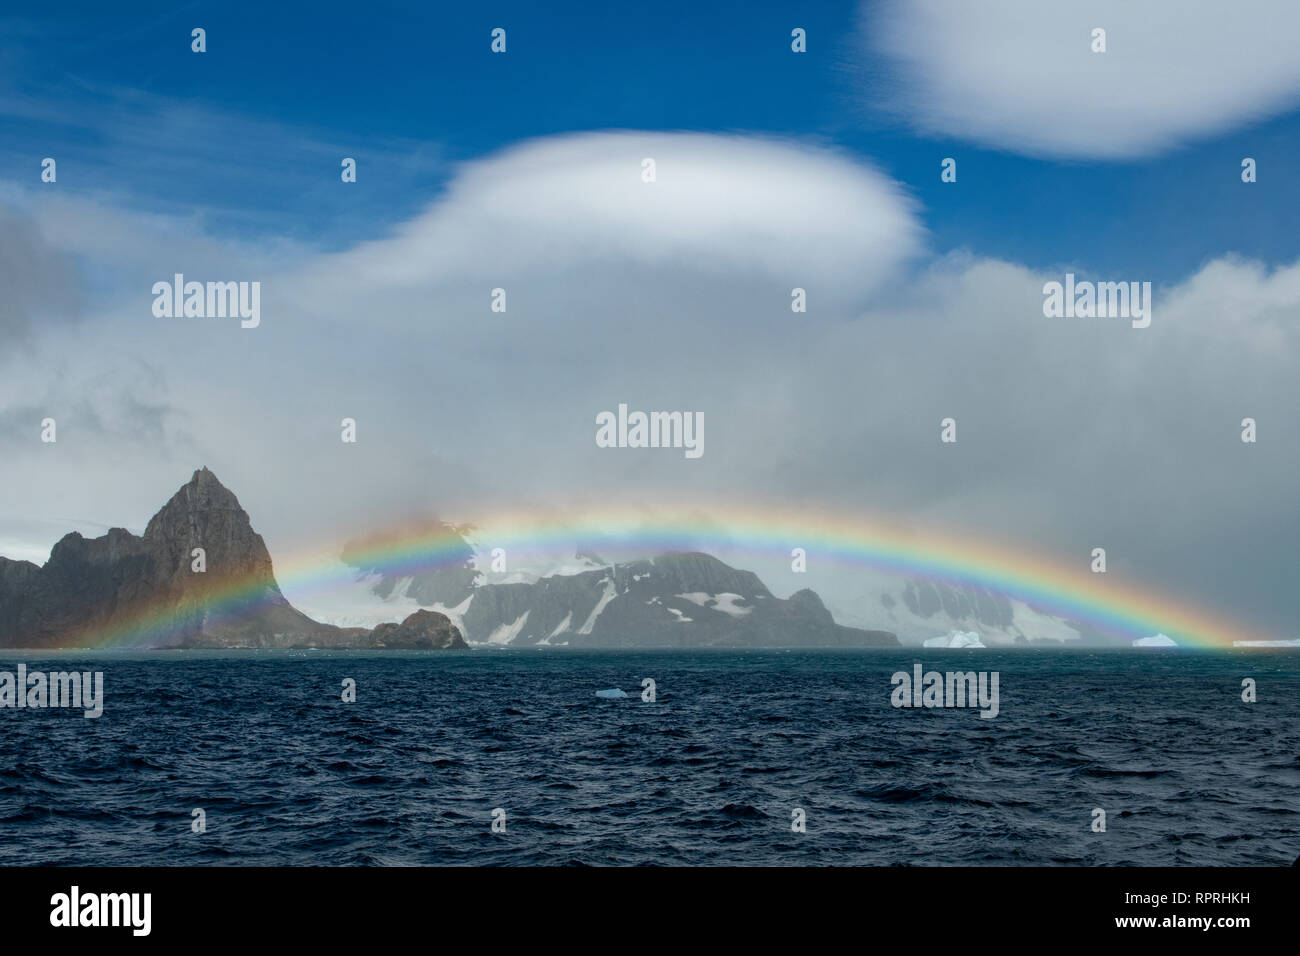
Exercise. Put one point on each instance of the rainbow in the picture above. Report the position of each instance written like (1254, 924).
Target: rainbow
(1110, 603)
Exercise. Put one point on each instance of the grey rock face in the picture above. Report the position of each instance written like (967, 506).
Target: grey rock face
(959, 602)
(123, 590)
(423, 630)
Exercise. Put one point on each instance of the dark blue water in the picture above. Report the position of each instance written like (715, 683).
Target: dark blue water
(708, 774)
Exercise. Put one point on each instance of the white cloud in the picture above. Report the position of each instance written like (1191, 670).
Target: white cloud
(719, 203)
(1020, 75)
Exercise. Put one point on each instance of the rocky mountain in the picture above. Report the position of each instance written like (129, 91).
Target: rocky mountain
(423, 630)
(672, 600)
(199, 576)
(489, 606)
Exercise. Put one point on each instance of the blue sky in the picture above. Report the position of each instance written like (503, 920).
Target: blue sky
(249, 134)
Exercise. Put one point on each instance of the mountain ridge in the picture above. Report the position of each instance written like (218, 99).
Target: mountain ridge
(673, 599)
(156, 590)
(200, 576)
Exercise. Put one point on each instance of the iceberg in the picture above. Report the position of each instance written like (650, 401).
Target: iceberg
(1155, 640)
(612, 694)
(955, 639)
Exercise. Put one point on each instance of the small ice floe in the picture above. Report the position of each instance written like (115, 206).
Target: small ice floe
(612, 694)
(1155, 640)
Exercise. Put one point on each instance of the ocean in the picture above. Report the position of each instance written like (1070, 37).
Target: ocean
(712, 772)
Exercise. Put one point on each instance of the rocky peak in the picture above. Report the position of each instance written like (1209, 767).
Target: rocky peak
(205, 514)
(811, 604)
(203, 495)
(146, 592)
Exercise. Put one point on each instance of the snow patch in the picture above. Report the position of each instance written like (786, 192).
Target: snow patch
(610, 593)
(570, 567)
(561, 627)
(724, 602)
(506, 633)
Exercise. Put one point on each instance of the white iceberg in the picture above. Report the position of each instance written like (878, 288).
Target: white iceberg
(1155, 640)
(956, 639)
(612, 694)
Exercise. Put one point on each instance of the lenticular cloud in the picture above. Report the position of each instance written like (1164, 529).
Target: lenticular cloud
(717, 203)
(1022, 75)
